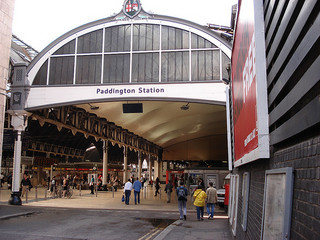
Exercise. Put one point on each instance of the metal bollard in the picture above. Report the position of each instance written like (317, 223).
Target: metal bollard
(112, 191)
(145, 192)
(45, 194)
(80, 190)
(96, 190)
(36, 193)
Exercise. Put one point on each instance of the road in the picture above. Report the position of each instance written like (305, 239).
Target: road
(63, 223)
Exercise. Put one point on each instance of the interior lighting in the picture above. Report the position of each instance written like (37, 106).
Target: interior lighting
(185, 107)
(92, 107)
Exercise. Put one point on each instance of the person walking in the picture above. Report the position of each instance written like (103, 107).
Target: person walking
(91, 185)
(53, 186)
(157, 186)
(25, 184)
(212, 198)
(137, 187)
(168, 190)
(199, 201)
(127, 191)
(182, 194)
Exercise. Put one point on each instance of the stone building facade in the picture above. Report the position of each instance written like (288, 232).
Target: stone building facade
(6, 17)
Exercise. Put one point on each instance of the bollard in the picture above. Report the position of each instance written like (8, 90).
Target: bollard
(80, 189)
(112, 191)
(45, 194)
(96, 190)
(145, 192)
(36, 193)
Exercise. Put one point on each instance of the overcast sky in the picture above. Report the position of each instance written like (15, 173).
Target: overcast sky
(39, 22)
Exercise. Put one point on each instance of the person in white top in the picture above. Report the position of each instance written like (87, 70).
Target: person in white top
(127, 191)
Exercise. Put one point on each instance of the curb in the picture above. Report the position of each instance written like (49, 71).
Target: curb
(167, 230)
(16, 215)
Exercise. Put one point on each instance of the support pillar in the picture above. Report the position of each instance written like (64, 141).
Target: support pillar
(139, 164)
(105, 163)
(19, 120)
(15, 195)
(150, 168)
(156, 169)
(125, 161)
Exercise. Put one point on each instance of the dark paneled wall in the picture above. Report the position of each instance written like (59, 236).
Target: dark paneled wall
(293, 75)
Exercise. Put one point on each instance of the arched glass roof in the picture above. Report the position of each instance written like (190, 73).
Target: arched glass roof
(156, 50)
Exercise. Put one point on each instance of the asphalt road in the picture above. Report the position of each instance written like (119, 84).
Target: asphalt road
(60, 223)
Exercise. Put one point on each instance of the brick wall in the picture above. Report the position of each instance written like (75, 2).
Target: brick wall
(304, 158)
(6, 16)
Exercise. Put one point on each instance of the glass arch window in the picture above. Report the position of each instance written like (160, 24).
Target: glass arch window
(134, 53)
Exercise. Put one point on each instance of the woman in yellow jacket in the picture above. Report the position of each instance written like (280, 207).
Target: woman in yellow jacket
(199, 201)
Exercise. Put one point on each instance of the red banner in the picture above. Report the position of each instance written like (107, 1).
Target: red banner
(244, 82)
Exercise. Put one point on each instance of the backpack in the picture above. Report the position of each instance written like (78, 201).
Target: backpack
(182, 194)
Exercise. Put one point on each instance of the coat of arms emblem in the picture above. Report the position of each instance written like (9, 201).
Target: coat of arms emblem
(131, 8)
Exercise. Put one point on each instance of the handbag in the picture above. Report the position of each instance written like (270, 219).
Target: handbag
(122, 199)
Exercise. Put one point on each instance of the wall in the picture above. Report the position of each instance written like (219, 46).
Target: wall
(6, 16)
(293, 76)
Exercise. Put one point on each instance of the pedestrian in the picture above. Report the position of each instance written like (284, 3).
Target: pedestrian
(53, 186)
(127, 191)
(65, 185)
(143, 180)
(168, 190)
(25, 184)
(1, 179)
(74, 182)
(182, 194)
(9, 180)
(157, 184)
(137, 187)
(91, 185)
(199, 201)
(201, 183)
(212, 198)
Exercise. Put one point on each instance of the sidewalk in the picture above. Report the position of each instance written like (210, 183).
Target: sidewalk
(190, 229)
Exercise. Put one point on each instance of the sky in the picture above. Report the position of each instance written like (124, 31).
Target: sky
(40, 22)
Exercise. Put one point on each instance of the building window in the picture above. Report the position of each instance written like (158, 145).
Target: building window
(133, 53)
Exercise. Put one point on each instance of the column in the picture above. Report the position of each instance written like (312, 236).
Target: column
(105, 163)
(150, 168)
(156, 169)
(139, 164)
(125, 162)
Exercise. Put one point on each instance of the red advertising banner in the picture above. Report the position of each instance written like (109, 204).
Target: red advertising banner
(245, 85)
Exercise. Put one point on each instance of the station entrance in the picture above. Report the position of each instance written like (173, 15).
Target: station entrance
(122, 90)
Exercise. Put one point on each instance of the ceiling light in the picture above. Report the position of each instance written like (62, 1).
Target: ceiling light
(93, 107)
(185, 107)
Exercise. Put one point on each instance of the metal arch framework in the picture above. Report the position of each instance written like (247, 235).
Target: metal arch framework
(78, 120)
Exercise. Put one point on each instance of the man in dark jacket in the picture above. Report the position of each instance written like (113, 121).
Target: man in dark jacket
(182, 194)
(168, 190)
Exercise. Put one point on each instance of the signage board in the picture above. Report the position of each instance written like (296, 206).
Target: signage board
(195, 92)
(249, 85)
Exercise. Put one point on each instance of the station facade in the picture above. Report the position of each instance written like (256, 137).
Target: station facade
(168, 72)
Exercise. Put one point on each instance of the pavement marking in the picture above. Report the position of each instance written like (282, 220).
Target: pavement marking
(167, 230)
(149, 234)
